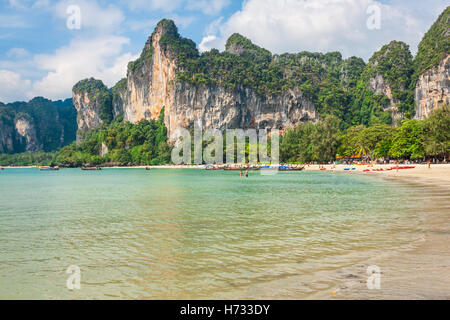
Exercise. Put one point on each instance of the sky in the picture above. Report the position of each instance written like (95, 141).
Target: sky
(47, 46)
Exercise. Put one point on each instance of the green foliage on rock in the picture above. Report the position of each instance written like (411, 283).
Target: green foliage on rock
(434, 46)
(99, 94)
(393, 62)
(54, 121)
(144, 143)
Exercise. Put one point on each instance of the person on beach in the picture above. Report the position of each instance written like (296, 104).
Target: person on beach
(429, 164)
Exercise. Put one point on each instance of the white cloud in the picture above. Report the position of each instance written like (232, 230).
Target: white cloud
(182, 21)
(13, 21)
(327, 25)
(205, 45)
(12, 86)
(142, 24)
(163, 5)
(17, 53)
(94, 16)
(101, 58)
(210, 7)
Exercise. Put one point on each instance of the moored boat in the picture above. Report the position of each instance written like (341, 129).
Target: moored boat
(90, 168)
(48, 168)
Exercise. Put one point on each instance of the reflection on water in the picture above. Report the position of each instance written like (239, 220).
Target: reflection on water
(193, 234)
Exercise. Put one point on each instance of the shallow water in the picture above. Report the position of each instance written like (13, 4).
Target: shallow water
(196, 234)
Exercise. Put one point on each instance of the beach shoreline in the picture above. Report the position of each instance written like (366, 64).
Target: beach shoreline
(438, 173)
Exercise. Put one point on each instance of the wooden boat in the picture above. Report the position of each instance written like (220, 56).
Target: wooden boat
(147, 168)
(48, 168)
(283, 168)
(90, 168)
(233, 168)
(211, 167)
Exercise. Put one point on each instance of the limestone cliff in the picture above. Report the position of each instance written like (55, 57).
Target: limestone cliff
(432, 65)
(380, 86)
(432, 88)
(152, 84)
(27, 131)
(388, 74)
(93, 102)
(37, 125)
(6, 137)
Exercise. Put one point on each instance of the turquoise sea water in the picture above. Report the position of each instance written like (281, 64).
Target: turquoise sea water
(193, 234)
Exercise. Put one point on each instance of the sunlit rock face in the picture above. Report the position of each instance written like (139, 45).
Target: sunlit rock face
(154, 85)
(432, 88)
(27, 131)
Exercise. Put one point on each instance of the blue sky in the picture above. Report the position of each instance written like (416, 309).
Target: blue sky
(41, 56)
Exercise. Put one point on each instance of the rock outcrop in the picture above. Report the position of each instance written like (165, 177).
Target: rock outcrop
(388, 74)
(432, 89)
(27, 131)
(93, 102)
(6, 137)
(152, 84)
(432, 67)
(37, 125)
(380, 86)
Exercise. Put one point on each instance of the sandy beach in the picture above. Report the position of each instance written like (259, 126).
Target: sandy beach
(438, 173)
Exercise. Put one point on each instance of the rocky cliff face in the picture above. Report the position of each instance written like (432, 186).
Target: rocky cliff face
(88, 112)
(432, 89)
(39, 124)
(388, 73)
(93, 102)
(26, 130)
(154, 85)
(6, 137)
(380, 86)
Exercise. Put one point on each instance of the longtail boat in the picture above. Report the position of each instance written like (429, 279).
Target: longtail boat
(48, 168)
(90, 168)
(288, 168)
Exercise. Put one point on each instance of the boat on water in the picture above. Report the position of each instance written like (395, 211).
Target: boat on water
(90, 168)
(48, 168)
(289, 168)
(211, 167)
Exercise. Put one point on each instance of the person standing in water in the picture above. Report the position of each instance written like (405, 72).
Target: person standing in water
(241, 174)
(246, 174)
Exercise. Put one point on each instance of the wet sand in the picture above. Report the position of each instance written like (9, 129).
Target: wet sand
(422, 269)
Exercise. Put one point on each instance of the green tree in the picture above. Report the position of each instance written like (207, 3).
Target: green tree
(407, 142)
(437, 132)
